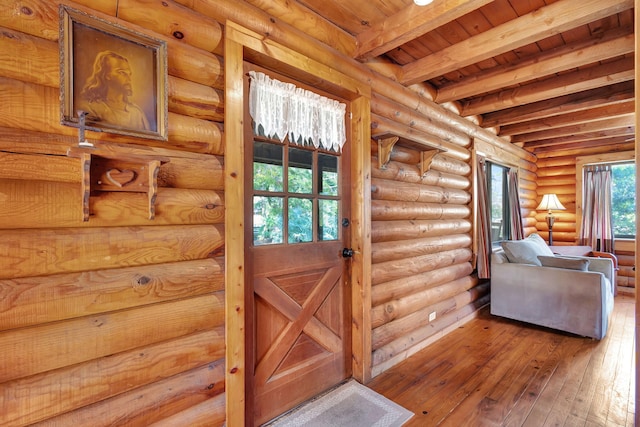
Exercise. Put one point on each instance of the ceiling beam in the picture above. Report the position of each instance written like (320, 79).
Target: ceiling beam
(575, 129)
(617, 71)
(584, 116)
(410, 23)
(539, 24)
(562, 59)
(626, 133)
(582, 144)
(586, 149)
(578, 101)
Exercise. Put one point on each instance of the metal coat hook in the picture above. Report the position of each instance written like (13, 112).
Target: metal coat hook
(82, 142)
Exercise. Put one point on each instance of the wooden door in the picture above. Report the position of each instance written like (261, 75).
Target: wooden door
(300, 302)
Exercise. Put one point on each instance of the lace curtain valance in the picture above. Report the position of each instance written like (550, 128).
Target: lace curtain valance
(307, 118)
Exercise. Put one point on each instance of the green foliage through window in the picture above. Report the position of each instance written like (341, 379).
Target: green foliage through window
(624, 200)
(284, 188)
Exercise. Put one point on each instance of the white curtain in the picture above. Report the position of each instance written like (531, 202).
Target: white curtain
(282, 109)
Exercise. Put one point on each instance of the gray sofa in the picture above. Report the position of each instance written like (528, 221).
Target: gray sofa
(572, 294)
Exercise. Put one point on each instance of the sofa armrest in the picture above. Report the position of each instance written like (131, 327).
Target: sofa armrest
(604, 266)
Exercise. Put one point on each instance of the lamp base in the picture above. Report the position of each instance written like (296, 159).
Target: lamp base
(550, 220)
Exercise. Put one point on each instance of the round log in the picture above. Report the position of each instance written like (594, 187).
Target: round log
(387, 251)
(556, 171)
(33, 59)
(401, 307)
(398, 288)
(403, 230)
(403, 191)
(195, 100)
(205, 173)
(391, 270)
(186, 132)
(397, 328)
(447, 316)
(381, 125)
(410, 173)
(527, 194)
(393, 111)
(563, 161)
(527, 175)
(43, 115)
(527, 185)
(382, 210)
(557, 189)
(40, 18)
(174, 21)
(557, 180)
(196, 65)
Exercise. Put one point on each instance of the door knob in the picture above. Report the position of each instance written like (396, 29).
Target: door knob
(348, 252)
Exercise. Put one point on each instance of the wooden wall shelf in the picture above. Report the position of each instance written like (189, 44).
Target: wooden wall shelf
(387, 141)
(105, 172)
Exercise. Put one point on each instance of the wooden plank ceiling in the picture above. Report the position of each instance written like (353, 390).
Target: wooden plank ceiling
(544, 74)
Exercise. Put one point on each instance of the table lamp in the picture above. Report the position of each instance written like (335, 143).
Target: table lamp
(549, 203)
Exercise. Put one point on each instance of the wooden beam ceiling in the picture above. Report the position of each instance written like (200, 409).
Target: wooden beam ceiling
(539, 73)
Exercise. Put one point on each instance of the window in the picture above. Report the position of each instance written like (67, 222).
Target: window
(295, 193)
(623, 200)
(498, 201)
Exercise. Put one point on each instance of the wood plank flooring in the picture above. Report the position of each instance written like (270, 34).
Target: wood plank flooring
(497, 372)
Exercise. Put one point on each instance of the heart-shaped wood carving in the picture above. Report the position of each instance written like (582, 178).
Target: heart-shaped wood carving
(121, 178)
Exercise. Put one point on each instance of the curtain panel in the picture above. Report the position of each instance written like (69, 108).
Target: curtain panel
(515, 214)
(596, 229)
(282, 110)
(484, 225)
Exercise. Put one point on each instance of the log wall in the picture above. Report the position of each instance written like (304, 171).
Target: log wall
(557, 174)
(118, 320)
(422, 277)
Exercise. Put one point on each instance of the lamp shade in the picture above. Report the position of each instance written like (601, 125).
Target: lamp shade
(550, 202)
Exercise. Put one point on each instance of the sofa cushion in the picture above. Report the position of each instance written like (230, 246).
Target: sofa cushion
(570, 263)
(526, 251)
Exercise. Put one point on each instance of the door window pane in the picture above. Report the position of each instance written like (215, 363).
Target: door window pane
(328, 222)
(267, 167)
(267, 220)
(328, 175)
(300, 171)
(300, 220)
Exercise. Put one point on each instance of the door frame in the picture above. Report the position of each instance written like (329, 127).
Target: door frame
(243, 44)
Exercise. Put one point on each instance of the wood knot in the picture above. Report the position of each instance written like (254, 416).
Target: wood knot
(178, 34)
(233, 370)
(25, 10)
(210, 206)
(144, 280)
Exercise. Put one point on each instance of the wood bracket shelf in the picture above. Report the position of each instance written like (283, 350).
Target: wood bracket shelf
(109, 172)
(386, 143)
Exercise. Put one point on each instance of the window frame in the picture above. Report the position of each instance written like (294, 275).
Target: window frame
(506, 214)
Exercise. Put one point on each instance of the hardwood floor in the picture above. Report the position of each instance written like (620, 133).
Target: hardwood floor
(497, 372)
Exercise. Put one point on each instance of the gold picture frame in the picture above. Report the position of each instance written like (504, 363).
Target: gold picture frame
(112, 77)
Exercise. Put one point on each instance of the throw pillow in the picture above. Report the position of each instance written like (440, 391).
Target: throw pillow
(526, 251)
(581, 264)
